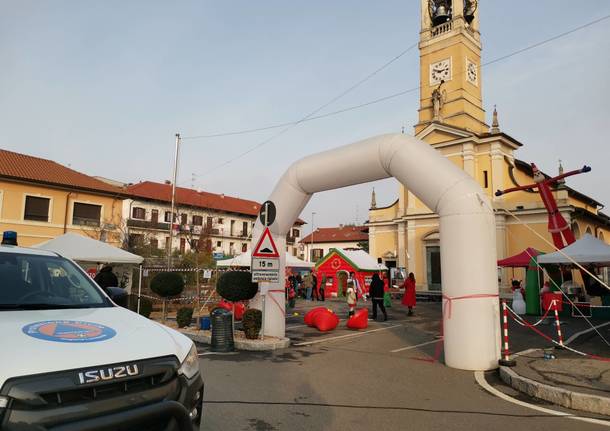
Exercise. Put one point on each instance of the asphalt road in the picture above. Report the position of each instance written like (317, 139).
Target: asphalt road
(362, 382)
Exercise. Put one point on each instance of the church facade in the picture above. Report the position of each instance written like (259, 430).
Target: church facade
(405, 233)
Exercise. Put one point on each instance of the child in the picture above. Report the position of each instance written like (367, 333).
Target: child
(351, 298)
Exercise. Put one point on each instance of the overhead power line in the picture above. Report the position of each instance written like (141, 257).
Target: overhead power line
(315, 111)
(311, 116)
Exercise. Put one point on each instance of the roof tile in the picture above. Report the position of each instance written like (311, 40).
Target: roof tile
(29, 168)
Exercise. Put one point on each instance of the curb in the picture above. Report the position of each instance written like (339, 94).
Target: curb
(241, 344)
(563, 397)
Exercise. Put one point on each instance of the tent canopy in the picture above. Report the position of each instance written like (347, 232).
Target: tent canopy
(244, 260)
(83, 249)
(520, 260)
(588, 249)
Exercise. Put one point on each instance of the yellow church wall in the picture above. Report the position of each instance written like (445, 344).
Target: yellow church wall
(385, 240)
(12, 207)
(388, 213)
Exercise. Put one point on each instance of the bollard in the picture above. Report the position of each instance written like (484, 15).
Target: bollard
(505, 360)
(558, 324)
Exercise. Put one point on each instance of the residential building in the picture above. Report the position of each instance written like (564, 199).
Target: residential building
(223, 223)
(41, 199)
(347, 237)
(452, 120)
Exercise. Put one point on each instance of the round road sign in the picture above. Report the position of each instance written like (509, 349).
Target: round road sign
(267, 213)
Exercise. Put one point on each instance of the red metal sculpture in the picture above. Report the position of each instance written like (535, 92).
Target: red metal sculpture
(558, 227)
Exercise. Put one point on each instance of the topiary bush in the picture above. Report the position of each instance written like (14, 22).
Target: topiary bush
(167, 284)
(236, 286)
(184, 317)
(252, 322)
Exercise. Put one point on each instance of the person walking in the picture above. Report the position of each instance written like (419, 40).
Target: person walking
(408, 298)
(307, 284)
(376, 292)
(351, 298)
(322, 287)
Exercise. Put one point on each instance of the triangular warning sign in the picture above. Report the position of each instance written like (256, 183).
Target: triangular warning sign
(266, 246)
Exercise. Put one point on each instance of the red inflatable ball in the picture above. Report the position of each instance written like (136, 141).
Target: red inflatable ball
(360, 319)
(309, 317)
(325, 320)
(240, 309)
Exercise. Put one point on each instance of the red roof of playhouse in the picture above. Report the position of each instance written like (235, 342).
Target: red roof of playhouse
(521, 260)
(359, 260)
(338, 234)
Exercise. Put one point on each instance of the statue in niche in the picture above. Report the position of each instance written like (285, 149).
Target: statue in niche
(439, 96)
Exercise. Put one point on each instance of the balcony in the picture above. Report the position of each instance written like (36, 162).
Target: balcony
(145, 224)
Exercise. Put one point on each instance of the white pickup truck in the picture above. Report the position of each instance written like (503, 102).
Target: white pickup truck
(71, 359)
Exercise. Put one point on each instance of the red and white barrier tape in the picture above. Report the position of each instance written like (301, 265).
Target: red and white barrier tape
(546, 337)
(546, 313)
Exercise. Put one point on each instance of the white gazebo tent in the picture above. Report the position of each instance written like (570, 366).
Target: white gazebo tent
(88, 250)
(587, 250)
(244, 260)
(83, 249)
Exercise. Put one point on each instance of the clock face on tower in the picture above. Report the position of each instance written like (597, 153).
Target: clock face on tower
(440, 71)
(471, 72)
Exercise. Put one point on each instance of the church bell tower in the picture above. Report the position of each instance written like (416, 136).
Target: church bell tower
(450, 65)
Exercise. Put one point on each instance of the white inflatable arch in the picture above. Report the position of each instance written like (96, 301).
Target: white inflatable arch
(467, 234)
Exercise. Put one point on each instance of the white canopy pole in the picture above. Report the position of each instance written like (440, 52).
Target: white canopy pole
(139, 289)
(467, 234)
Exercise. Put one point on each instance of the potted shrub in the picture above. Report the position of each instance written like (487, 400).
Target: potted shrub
(252, 322)
(184, 317)
(167, 285)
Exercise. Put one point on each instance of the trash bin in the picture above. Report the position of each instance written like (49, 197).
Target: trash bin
(204, 323)
(222, 331)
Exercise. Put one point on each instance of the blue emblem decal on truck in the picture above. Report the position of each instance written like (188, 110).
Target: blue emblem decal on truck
(69, 331)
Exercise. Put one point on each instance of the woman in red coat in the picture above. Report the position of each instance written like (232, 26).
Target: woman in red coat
(408, 298)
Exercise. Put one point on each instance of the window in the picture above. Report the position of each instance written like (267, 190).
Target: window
(182, 245)
(485, 180)
(139, 213)
(154, 243)
(219, 244)
(154, 216)
(220, 220)
(36, 209)
(195, 245)
(86, 214)
(168, 217)
(183, 218)
(317, 254)
(296, 233)
(244, 247)
(53, 281)
(244, 229)
(208, 222)
(167, 243)
(197, 220)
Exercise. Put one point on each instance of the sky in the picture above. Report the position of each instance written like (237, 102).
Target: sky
(104, 87)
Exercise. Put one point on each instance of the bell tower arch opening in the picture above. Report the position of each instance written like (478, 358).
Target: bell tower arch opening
(466, 224)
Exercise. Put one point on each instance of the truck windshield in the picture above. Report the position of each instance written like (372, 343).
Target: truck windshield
(45, 282)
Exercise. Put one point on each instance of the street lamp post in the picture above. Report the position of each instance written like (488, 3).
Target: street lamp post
(171, 217)
(312, 233)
